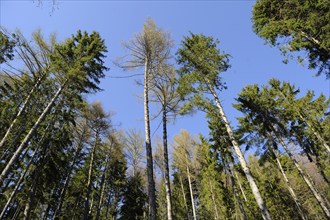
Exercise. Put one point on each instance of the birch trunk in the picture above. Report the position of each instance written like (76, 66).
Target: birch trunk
(166, 168)
(150, 173)
(316, 194)
(30, 134)
(246, 169)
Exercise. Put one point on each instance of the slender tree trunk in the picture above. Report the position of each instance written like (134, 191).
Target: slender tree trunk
(108, 206)
(166, 168)
(150, 172)
(305, 178)
(240, 186)
(29, 203)
(66, 182)
(191, 191)
(292, 193)
(30, 134)
(7, 152)
(17, 185)
(102, 185)
(246, 169)
(184, 196)
(89, 179)
(213, 199)
(17, 211)
(239, 202)
(22, 109)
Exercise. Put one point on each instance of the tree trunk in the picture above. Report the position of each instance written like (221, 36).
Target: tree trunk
(17, 185)
(89, 180)
(303, 175)
(213, 199)
(30, 134)
(150, 172)
(17, 211)
(239, 202)
(184, 196)
(240, 186)
(166, 168)
(246, 169)
(292, 193)
(66, 182)
(22, 109)
(191, 191)
(7, 152)
(102, 185)
(29, 202)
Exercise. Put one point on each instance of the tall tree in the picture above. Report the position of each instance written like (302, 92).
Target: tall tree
(164, 92)
(148, 49)
(79, 67)
(97, 121)
(201, 63)
(263, 110)
(184, 156)
(296, 25)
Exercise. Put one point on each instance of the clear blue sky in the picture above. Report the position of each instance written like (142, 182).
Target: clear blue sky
(118, 21)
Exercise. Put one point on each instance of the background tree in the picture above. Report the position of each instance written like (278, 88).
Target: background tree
(148, 49)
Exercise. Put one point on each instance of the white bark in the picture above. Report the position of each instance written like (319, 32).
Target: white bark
(253, 185)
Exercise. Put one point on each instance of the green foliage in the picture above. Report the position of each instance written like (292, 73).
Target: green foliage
(296, 25)
(6, 47)
(134, 199)
(201, 63)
